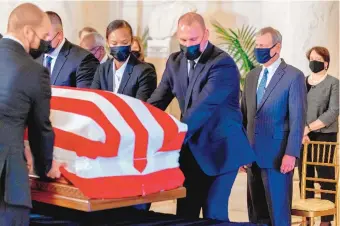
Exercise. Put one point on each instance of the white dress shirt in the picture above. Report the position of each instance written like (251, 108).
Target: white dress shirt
(54, 55)
(271, 71)
(14, 39)
(118, 75)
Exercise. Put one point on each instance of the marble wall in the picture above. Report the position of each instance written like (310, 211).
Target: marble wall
(303, 24)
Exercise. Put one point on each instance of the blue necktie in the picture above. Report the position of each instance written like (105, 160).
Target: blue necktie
(262, 87)
(48, 63)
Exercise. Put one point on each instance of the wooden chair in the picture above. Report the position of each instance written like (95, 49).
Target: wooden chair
(324, 154)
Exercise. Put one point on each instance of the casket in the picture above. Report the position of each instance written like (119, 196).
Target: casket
(118, 151)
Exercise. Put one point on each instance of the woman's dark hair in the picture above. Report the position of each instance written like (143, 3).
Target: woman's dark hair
(116, 24)
(322, 51)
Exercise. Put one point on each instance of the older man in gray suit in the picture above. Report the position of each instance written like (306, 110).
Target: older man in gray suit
(25, 95)
(274, 108)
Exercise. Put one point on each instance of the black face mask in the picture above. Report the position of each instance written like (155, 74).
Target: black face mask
(120, 53)
(136, 54)
(316, 66)
(36, 53)
(191, 52)
(50, 49)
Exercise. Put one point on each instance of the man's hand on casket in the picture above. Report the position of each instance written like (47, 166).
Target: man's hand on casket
(55, 170)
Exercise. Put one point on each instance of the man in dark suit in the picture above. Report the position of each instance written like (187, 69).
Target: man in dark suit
(205, 80)
(25, 95)
(69, 65)
(273, 106)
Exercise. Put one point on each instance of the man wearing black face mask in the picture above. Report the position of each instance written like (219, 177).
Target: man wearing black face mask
(206, 82)
(274, 112)
(24, 102)
(69, 65)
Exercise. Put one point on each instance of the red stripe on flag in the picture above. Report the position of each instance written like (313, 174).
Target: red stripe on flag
(81, 145)
(141, 134)
(127, 186)
(173, 139)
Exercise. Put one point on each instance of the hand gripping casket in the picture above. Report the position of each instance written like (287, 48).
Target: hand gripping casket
(115, 146)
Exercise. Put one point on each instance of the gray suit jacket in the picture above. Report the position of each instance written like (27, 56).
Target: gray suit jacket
(276, 127)
(323, 104)
(25, 95)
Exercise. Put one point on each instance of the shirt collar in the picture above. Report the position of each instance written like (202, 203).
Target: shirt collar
(14, 39)
(56, 52)
(272, 68)
(105, 58)
(121, 70)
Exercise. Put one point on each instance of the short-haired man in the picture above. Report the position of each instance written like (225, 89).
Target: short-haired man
(96, 44)
(206, 82)
(85, 31)
(68, 64)
(274, 108)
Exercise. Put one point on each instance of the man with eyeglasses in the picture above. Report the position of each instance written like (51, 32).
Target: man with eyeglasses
(95, 43)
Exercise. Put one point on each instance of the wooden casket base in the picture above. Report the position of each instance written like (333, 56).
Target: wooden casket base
(62, 193)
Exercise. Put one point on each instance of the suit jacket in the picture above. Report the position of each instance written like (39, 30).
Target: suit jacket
(25, 95)
(74, 67)
(276, 127)
(210, 107)
(139, 79)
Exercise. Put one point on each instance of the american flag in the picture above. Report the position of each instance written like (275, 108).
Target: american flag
(115, 146)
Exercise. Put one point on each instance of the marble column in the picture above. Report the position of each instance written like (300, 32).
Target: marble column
(303, 25)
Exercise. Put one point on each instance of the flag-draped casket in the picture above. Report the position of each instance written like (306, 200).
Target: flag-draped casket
(115, 146)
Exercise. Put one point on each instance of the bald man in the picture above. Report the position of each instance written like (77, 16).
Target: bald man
(68, 64)
(25, 95)
(206, 82)
(95, 43)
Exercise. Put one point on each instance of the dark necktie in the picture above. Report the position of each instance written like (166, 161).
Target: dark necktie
(191, 71)
(262, 87)
(48, 63)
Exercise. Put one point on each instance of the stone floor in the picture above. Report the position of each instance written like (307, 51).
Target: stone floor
(237, 204)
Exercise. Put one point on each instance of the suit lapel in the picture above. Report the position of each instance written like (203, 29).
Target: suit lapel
(273, 82)
(183, 75)
(109, 76)
(41, 59)
(127, 73)
(60, 61)
(253, 88)
(198, 69)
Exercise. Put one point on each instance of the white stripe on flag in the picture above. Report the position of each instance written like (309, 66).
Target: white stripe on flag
(127, 141)
(78, 124)
(155, 131)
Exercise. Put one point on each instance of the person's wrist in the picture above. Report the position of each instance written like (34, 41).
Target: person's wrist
(309, 129)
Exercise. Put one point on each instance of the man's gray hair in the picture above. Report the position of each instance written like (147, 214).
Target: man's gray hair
(276, 35)
(99, 39)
